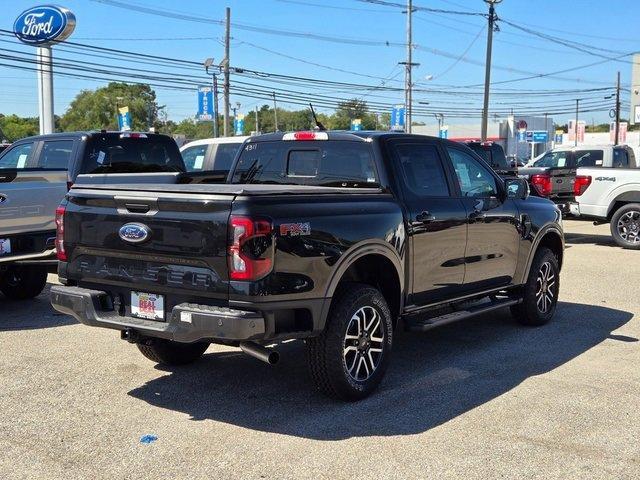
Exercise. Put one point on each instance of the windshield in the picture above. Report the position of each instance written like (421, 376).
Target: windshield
(320, 163)
(112, 154)
(553, 160)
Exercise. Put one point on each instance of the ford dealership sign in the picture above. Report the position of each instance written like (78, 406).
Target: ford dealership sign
(41, 26)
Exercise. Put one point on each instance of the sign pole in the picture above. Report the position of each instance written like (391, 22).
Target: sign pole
(533, 150)
(45, 89)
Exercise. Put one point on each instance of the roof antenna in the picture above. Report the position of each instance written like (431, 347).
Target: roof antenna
(319, 125)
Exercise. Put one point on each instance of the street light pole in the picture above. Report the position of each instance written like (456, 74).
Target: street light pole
(207, 64)
(487, 73)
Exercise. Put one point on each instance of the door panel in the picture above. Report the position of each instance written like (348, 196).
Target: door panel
(32, 186)
(493, 239)
(436, 221)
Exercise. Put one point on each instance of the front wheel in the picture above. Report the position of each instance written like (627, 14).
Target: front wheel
(167, 352)
(22, 282)
(348, 360)
(625, 226)
(540, 293)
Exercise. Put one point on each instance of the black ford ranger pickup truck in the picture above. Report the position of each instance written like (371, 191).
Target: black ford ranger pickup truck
(332, 237)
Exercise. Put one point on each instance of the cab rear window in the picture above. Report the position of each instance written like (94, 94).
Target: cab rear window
(117, 154)
(319, 163)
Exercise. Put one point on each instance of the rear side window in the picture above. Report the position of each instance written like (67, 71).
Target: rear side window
(16, 157)
(193, 157)
(499, 159)
(620, 158)
(116, 154)
(422, 170)
(55, 155)
(557, 159)
(225, 155)
(589, 158)
(321, 163)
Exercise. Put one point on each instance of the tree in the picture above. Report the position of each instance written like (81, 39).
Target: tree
(14, 128)
(351, 110)
(96, 109)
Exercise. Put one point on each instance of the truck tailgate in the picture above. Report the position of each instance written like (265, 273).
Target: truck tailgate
(562, 180)
(184, 254)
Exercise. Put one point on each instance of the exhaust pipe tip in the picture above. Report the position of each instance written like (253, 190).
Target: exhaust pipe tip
(263, 354)
(273, 358)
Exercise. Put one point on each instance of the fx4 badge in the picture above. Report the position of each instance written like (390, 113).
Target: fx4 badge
(295, 229)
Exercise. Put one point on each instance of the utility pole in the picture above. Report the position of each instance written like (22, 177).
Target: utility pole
(408, 101)
(487, 73)
(227, 42)
(617, 140)
(575, 127)
(257, 124)
(275, 112)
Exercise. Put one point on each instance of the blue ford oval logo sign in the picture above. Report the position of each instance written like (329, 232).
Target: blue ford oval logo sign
(134, 232)
(44, 25)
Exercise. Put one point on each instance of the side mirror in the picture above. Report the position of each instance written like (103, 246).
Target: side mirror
(517, 188)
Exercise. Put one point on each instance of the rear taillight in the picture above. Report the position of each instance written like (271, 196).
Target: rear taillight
(542, 184)
(250, 252)
(582, 183)
(60, 252)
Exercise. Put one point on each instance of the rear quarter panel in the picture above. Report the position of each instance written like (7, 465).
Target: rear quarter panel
(607, 186)
(334, 228)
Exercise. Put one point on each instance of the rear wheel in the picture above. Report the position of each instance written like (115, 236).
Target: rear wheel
(166, 352)
(540, 295)
(21, 282)
(625, 226)
(348, 360)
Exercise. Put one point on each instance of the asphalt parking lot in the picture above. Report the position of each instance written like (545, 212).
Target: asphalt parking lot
(484, 398)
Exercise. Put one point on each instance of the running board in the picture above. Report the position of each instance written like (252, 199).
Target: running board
(423, 324)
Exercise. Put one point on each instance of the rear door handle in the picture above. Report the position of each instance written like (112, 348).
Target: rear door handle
(425, 217)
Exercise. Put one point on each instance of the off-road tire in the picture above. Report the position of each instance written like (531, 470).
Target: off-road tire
(615, 232)
(166, 352)
(530, 311)
(22, 282)
(326, 353)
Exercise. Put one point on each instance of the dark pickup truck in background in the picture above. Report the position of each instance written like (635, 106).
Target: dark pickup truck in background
(35, 175)
(331, 237)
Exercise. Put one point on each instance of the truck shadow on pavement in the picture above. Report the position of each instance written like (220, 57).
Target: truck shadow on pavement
(433, 377)
(587, 238)
(31, 314)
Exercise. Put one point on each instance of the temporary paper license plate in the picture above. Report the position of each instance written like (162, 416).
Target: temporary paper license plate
(5, 246)
(147, 305)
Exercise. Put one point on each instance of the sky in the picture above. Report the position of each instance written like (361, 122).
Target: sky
(354, 42)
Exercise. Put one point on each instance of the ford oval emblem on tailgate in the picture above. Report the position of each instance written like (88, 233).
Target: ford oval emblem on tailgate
(134, 232)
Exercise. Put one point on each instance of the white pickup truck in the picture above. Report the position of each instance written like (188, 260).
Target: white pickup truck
(610, 195)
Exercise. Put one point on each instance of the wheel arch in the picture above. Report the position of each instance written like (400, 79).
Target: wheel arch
(375, 264)
(621, 200)
(552, 238)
